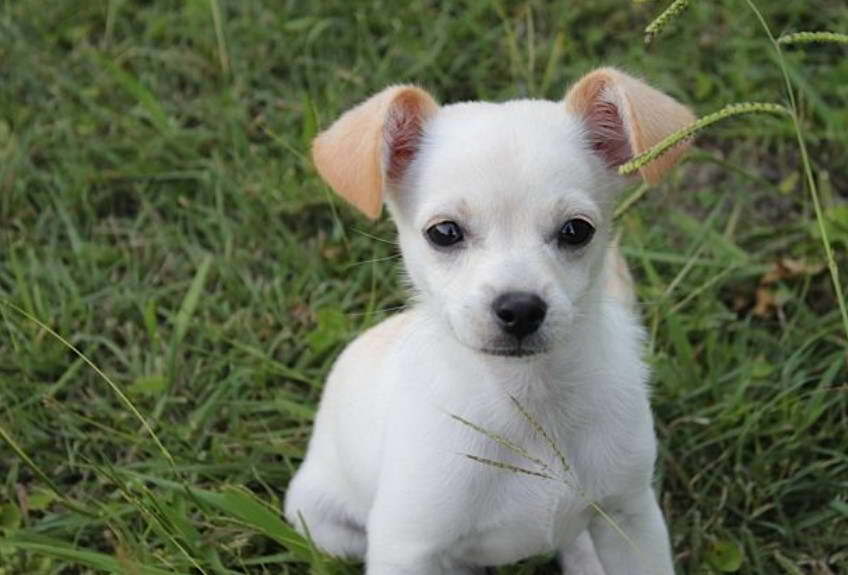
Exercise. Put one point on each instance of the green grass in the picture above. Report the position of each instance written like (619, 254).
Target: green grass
(159, 211)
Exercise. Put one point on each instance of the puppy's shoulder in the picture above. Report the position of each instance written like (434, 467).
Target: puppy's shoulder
(379, 338)
(367, 352)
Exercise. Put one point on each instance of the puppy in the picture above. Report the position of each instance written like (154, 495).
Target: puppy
(521, 303)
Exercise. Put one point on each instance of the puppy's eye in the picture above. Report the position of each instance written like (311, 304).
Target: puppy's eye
(575, 233)
(445, 234)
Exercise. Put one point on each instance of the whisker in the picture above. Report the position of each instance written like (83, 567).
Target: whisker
(372, 260)
(373, 237)
(377, 311)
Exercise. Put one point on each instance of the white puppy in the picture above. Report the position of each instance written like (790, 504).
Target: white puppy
(504, 215)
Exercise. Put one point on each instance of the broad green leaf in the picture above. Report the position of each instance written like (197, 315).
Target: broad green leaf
(725, 556)
(10, 516)
(40, 499)
(295, 408)
(148, 385)
(191, 300)
(333, 325)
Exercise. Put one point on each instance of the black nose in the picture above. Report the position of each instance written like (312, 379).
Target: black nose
(519, 313)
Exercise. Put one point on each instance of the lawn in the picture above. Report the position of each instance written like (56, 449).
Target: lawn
(175, 280)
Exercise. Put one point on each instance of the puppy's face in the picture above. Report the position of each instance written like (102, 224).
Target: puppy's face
(503, 219)
(503, 210)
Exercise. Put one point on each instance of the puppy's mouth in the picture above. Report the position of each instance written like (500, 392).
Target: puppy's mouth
(512, 351)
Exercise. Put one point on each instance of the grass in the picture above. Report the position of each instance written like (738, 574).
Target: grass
(159, 212)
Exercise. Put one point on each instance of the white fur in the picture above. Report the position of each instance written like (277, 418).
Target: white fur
(387, 458)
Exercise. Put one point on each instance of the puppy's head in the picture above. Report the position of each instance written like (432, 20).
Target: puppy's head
(503, 210)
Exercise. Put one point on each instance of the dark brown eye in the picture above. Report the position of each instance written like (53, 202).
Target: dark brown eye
(444, 234)
(575, 233)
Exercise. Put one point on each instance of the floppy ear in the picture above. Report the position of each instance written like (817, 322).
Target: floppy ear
(372, 145)
(625, 117)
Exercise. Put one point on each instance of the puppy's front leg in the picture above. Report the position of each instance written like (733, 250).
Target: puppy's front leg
(396, 549)
(380, 567)
(411, 532)
(646, 550)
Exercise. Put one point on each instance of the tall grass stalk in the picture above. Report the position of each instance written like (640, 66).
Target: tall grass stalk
(756, 107)
(813, 37)
(660, 22)
(808, 172)
(679, 136)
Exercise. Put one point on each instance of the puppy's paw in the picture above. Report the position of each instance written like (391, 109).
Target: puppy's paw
(580, 557)
(593, 568)
(310, 506)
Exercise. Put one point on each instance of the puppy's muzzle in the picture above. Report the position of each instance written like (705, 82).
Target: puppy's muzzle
(519, 314)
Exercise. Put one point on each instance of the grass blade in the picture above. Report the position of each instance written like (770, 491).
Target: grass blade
(190, 301)
(508, 466)
(13, 445)
(542, 433)
(124, 399)
(502, 441)
(223, 57)
(61, 550)
(143, 96)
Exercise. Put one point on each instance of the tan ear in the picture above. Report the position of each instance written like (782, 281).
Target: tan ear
(373, 144)
(625, 117)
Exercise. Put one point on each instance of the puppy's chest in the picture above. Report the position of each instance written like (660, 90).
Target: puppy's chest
(530, 507)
